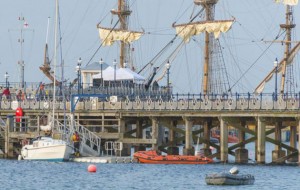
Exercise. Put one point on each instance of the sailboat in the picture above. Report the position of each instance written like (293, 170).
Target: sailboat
(47, 148)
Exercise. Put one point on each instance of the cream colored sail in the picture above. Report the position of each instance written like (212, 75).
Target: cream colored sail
(288, 2)
(109, 36)
(186, 31)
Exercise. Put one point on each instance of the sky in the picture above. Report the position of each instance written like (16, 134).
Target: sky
(247, 55)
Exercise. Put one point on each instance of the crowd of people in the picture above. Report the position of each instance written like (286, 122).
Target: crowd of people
(6, 94)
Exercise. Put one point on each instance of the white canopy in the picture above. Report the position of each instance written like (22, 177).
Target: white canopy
(121, 74)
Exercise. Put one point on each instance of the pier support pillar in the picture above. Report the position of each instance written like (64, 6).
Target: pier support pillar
(293, 142)
(241, 154)
(9, 145)
(223, 140)
(278, 152)
(206, 136)
(188, 148)
(139, 135)
(126, 147)
(261, 141)
(172, 148)
(154, 133)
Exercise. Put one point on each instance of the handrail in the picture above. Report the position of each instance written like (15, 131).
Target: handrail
(89, 140)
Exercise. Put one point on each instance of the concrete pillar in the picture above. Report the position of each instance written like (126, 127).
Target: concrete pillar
(242, 133)
(154, 133)
(261, 141)
(172, 133)
(293, 142)
(126, 147)
(278, 152)
(139, 130)
(172, 148)
(188, 149)
(206, 136)
(241, 154)
(223, 140)
(8, 145)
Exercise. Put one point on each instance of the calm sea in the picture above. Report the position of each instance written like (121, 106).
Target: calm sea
(33, 175)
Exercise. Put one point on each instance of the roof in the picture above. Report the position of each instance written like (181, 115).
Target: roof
(95, 67)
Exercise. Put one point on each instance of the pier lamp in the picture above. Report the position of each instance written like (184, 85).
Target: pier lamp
(168, 77)
(115, 67)
(276, 70)
(6, 76)
(78, 69)
(101, 63)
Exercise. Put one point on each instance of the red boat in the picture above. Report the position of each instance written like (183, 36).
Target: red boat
(152, 157)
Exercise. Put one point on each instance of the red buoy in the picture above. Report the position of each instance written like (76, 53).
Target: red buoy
(92, 168)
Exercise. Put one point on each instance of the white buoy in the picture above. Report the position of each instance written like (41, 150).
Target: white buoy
(234, 170)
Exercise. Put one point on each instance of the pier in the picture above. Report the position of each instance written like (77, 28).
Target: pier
(163, 124)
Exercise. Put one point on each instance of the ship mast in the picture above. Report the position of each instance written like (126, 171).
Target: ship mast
(285, 66)
(288, 26)
(208, 5)
(123, 13)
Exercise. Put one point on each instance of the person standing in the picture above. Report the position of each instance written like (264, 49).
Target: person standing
(76, 142)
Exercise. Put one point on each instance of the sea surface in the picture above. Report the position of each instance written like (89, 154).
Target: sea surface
(31, 175)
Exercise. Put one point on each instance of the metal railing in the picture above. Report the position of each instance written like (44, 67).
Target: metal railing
(176, 102)
(90, 142)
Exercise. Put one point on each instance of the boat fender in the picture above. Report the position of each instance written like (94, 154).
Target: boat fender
(234, 170)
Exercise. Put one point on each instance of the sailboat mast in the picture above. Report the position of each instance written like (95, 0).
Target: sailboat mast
(288, 26)
(123, 13)
(55, 59)
(208, 5)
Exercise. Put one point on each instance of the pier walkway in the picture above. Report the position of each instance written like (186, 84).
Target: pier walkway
(182, 119)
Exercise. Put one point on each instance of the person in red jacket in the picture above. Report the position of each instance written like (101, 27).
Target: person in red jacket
(6, 93)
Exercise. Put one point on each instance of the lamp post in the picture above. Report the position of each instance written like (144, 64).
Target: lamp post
(101, 63)
(276, 70)
(6, 76)
(115, 67)
(78, 68)
(168, 77)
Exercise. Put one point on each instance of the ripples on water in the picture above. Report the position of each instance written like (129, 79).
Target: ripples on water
(70, 175)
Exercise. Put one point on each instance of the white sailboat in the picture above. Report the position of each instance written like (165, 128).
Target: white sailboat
(47, 148)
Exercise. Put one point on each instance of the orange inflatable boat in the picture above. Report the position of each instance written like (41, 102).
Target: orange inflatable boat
(152, 157)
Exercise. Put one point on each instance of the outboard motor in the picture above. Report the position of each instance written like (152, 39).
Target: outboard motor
(234, 170)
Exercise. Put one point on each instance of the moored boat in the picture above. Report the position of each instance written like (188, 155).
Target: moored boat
(47, 149)
(152, 157)
(229, 178)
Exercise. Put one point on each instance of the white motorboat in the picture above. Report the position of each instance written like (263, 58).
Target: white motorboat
(47, 149)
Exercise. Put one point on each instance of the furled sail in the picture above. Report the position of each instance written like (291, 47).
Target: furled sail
(109, 36)
(290, 59)
(186, 31)
(288, 2)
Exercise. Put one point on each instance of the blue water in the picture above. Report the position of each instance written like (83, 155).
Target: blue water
(70, 175)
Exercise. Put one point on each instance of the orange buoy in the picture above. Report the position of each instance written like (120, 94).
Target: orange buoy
(92, 168)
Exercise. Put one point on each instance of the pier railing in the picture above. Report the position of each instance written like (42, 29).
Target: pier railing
(175, 102)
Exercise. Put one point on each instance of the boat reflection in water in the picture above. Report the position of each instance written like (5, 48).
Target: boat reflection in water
(153, 157)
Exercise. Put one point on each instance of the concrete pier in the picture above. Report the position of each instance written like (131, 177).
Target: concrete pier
(261, 141)
(224, 140)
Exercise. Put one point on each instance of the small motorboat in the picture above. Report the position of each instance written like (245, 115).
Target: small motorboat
(152, 157)
(229, 178)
